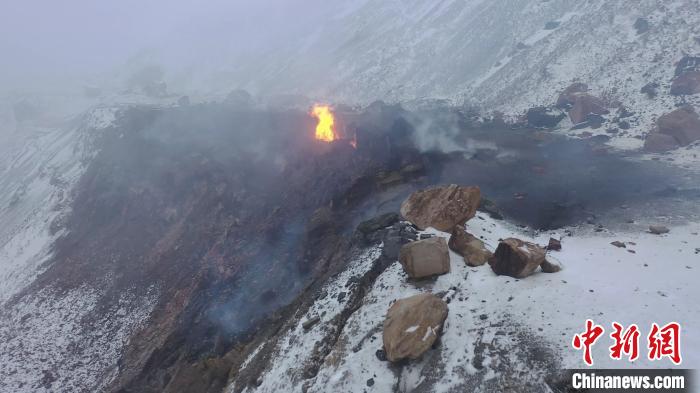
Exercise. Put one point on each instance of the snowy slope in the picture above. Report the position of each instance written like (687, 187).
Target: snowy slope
(503, 334)
(496, 55)
(49, 338)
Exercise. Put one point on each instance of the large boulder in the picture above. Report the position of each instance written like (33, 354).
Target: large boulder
(686, 84)
(425, 258)
(657, 143)
(412, 325)
(441, 207)
(469, 247)
(678, 128)
(519, 259)
(686, 79)
(585, 105)
(566, 98)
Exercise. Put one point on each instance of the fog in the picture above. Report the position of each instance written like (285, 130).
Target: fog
(52, 47)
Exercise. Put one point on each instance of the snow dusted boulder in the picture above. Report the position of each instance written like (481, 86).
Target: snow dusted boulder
(425, 258)
(469, 247)
(678, 128)
(412, 325)
(441, 207)
(519, 259)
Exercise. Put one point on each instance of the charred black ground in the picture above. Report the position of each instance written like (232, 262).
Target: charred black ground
(230, 213)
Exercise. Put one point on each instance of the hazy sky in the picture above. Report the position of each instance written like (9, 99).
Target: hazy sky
(44, 42)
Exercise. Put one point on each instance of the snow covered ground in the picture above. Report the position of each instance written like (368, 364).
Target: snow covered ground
(502, 332)
(50, 340)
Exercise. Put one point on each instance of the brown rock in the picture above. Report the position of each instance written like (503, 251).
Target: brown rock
(585, 105)
(687, 83)
(441, 207)
(678, 128)
(469, 247)
(425, 258)
(657, 143)
(517, 258)
(412, 325)
(683, 125)
(566, 98)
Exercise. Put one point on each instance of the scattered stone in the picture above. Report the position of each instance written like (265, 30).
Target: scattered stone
(516, 258)
(658, 229)
(425, 258)
(309, 323)
(483, 317)
(543, 117)
(554, 244)
(618, 244)
(469, 247)
(424, 236)
(412, 325)
(650, 89)
(441, 207)
(381, 355)
(551, 25)
(641, 25)
(377, 223)
(370, 382)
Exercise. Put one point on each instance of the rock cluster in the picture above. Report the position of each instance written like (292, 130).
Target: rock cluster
(413, 324)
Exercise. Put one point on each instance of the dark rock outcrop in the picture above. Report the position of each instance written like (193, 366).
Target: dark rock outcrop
(377, 223)
(543, 117)
(412, 325)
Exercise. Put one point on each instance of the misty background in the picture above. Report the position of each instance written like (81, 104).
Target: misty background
(55, 47)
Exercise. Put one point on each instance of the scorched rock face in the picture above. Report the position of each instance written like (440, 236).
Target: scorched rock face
(228, 213)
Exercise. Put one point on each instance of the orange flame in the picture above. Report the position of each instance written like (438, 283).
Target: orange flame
(325, 128)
